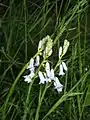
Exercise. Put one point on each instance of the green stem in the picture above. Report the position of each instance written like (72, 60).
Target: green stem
(11, 91)
(40, 100)
(12, 88)
(29, 91)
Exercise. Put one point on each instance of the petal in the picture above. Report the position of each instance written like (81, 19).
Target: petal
(64, 66)
(58, 85)
(47, 69)
(37, 60)
(61, 70)
(52, 74)
(42, 78)
(31, 65)
(27, 78)
(60, 51)
(47, 78)
(31, 75)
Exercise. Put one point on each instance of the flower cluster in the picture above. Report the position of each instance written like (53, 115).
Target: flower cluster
(48, 73)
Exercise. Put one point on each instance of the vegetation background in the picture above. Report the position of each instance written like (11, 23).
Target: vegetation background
(22, 24)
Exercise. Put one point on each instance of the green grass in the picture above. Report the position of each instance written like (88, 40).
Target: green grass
(22, 25)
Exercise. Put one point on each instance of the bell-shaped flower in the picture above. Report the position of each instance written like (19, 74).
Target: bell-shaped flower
(37, 61)
(61, 68)
(31, 65)
(47, 78)
(42, 78)
(51, 76)
(64, 66)
(58, 85)
(61, 72)
(47, 68)
(50, 73)
(60, 51)
(28, 78)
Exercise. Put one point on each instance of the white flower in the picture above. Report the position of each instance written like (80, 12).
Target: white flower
(60, 51)
(61, 68)
(47, 69)
(50, 73)
(31, 65)
(28, 78)
(51, 76)
(58, 85)
(31, 75)
(37, 61)
(42, 78)
(64, 66)
(47, 79)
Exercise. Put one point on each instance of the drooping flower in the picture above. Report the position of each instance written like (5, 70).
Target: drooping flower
(58, 85)
(42, 78)
(61, 68)
(47, 78)
(28, 78)
(51, 76)
(50, 73)
(37, 61)
(31, 65)
(64, 66)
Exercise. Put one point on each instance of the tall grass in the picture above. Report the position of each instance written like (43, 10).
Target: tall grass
(22, 25)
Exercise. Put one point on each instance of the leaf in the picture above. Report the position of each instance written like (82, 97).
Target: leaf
(63, 98)
(87, 99)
